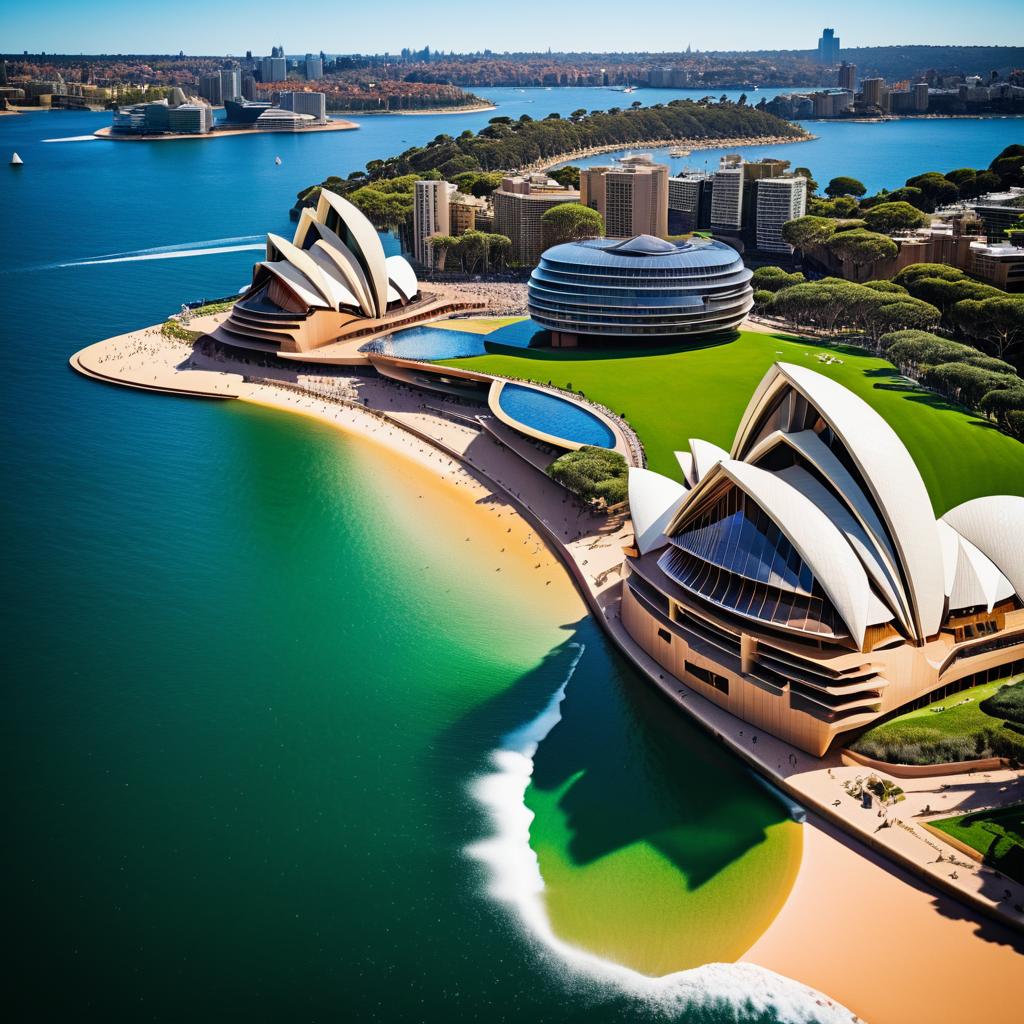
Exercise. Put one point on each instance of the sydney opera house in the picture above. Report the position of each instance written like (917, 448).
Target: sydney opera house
(801, 579)
(331, 283)
(641, 288)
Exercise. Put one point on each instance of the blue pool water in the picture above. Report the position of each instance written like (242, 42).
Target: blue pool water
(436, 343)
(556, 416)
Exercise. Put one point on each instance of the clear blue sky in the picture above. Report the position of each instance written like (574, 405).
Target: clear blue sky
(348, 26)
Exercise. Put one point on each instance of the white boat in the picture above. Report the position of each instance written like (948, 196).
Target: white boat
(16, 160)
(678, 153)
(277, 160)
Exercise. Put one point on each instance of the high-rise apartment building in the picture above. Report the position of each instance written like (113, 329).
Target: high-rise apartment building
(847, 77)
(248, 87)
(828, 46)
(632, 197)
(314, 68)
(273, 69)
(430, 216)
(872, 90)
(778, 200)
(518, 207)
(727, 195)
(230, 84)
(920, 96)
(314, 103)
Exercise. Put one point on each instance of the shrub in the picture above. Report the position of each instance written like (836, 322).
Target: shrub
(774, 279)
(592, 473)
(1007, 702)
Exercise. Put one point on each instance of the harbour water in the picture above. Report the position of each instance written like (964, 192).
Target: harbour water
(256, 675)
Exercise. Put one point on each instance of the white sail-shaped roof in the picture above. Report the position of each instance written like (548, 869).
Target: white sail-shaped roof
(653, 500)
(889, 476)
(995, 526)
(364, 243)
(705, 456)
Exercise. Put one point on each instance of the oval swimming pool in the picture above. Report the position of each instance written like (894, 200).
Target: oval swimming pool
(553, 415)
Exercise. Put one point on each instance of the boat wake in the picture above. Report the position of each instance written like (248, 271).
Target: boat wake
(513, 879)
(74, 138)
(181, 250)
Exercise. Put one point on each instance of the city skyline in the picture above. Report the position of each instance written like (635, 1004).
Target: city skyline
(74, 28)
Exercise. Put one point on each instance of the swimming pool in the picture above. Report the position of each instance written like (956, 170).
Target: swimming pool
(437, 343)
(554, 415)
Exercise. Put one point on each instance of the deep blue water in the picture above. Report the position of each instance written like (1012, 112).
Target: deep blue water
(146, 539)
(554, 416)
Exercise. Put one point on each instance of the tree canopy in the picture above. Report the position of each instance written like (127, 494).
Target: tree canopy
(593, 473)
(894, 216)
(569, 222)
(845, 186)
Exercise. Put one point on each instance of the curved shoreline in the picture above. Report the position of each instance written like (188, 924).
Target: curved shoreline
(507, 478)
(547, 163)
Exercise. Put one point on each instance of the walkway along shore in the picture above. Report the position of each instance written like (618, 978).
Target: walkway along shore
(589, 546)
(548, 162)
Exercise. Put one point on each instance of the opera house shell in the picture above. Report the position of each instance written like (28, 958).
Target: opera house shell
(332, 282)
(801, 579)
(644, 287)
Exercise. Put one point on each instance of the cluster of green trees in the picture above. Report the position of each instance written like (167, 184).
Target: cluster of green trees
(1007, 702)
(832, 304)
(593, 473)
(847, 197)
(506, 143)
(473, 251)
(962, 374)
(570, 222)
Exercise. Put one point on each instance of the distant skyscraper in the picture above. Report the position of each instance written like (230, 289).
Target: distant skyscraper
(248, 87)
(430, 217)
(3, 72)
(314, 103)
(314, 68)
(210, 88)
(778, 200)
(872, 89)
(727, 195)
(274, 69)
(848, 76)
(828, 46)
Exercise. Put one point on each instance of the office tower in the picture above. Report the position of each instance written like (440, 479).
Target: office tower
(778, 200)
(314, 68)
(3, 72)
(828, 47)
(248, 87)
(314, 103)
(518, 207)
(689, 203)
(211, 88)
(632, 198)
(920, 96)
(848, 76)
(727, 195)
(230, 84)
(430, 216)
(273, 69)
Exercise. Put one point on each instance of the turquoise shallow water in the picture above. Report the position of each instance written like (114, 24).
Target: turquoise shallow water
(247, 679)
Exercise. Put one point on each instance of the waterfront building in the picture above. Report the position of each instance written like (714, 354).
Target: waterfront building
(801, 581)
(277, 119)
(778, 200)
(999, 263)
(920, 97)
(847, 77)
(430, 216)
(727, 196)
(243, 111)
(632, 197)
(641, 289)
(873, 93)
(312, 103)
(518, 207)
(230, 83)
(689, 203)
(162, 117)
(190, 118)
(331, 282)
(314, 68)
(828, 46)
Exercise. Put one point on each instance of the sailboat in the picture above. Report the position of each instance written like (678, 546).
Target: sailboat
(277, 160)
(16, 160)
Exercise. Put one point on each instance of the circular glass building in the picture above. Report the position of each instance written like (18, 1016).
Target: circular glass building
(639, 287)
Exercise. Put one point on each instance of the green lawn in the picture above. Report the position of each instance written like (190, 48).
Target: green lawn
(998, 835)
(952, 729)
(670, 396)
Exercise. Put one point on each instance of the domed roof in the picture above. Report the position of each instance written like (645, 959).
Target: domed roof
(654, 253)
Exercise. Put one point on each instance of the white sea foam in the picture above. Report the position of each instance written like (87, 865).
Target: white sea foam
(513, 879)
(180, 250)
(74, 138)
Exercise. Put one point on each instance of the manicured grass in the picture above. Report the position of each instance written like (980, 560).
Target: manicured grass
(998, 835)
(952, 729)
(478, 324)
(669, 396)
